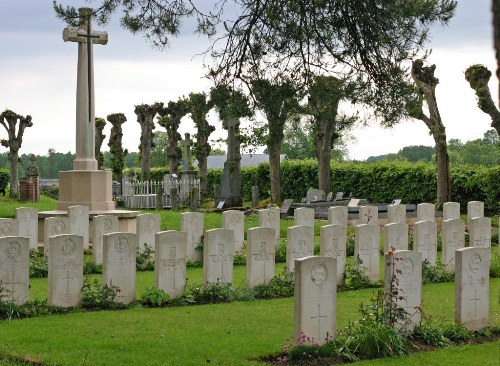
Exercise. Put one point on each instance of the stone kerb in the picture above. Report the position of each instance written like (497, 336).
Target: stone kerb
(54, 226)
(303, 216)
(451, 211)
(338, 215)
(425, 240)
(299, 244)
(367, 249)
(315, 298)
(102, 224)
(14, 268)
(472, 287)
(170, 262)
(234, 220)
(260, 255)
(147, 227)
(9, 227)
(395, 236)
(192, 225)
(368, 215)
(218, 249)
(396, 214)
(453, 238)
(426, 212)
(270, 217)
(333, 242)
(79, 222)
(27, 218)
(65, 264)
(119, 252)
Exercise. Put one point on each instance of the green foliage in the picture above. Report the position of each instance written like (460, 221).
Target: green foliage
(355, 278)
(495, 265)
(279, 286)
(157, 173)
(99, 296)
(417, 153)
(456, 332)
(212, 293)
(239, 259)
(154, 297)
(435, 274)
(280, 255)
(4, 179)
(38, 265)
(52, 191)
(430, 333)
(144, 259)
(90, 266)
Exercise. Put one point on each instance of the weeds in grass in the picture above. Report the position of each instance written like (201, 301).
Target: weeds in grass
(38, 264)
(280, 256)
(279, 286)
(100, 296)
(495, 265)
(90, 266)
(155, 297)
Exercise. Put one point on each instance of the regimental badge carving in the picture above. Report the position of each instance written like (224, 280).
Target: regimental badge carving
(59, 227)
(150, 222)
(407, 267)
(6, 229)
(68, 248)
(475, 263)
(319, 274)
(13, 250)
(108, 224)
(234, 219)
(121, 245)
(193, 220)
(271, 215)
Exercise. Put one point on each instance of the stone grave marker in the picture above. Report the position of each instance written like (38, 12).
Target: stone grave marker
(260, 255)
(14, 268)
(396, 214)
(426, 212)
(192, 225)
(425, 240)
(353, 202)
(119, 251)
(315, 296)
(102, 224)
(395, 236)
(79, 222)
(314, 195)
(9, 227)
(338, 215)
(65, 263)
(480, 232)
(367, 249)
(218, 249)
(27, 218)
(303, 216)
(170, 262)
(147, 225)
(300, 243)
(234, 220)
(286, 206)
(451, 211)
(472, 287)
(55, 226)
(474, 209)
(403, 286)
(368, 215)
(255, 196)
(453, 238)
(333, 241)
(270, 217)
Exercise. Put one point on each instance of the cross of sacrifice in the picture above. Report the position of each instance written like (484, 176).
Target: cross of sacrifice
(186, 151)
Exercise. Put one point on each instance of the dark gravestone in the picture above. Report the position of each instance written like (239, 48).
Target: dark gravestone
(230, 190)
(315, 195)
(255, 196)
(285, 207)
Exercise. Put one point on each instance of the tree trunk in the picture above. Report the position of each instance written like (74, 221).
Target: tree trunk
(14, 182)
(443, 169)
(324, 133)
(146, 159)
(203, 167)
(274, 149)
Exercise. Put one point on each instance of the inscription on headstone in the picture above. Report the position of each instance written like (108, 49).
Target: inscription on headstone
(235, 220)
(260, 255)
(425, 240)
(14, 269)
(170, 262)
(218, 249)
(333, 241)
(367, 249)
(192, 225)
(27, 218)
(453, 238)
(300, 244)
(102, 224)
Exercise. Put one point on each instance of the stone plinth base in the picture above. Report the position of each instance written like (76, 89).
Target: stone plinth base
(91, 188)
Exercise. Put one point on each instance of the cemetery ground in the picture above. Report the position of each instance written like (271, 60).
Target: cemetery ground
(236, 333)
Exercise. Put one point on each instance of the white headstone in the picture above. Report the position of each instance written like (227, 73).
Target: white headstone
(192, 225)
(170, 262)
(367, 249)
(9, 227)
(425, 240)
(368, 215)
(299, 244)
(333, 242)
(270, 217)
(235, 220)
(426, 212)
(260, 255)
(119, 251)
(55, 226)
(451, 211)
(303, 216)
(65, 265)
(480, 232)
(315, 298)
(474, 209)
(218, 249)
(79, 222)
(453, 238)
(14, 268)
(396, 214)
(472, 287)
(395, 236)
(147, 225)
(338, 215)
(27, 218)
(102, 224)
(403, 286)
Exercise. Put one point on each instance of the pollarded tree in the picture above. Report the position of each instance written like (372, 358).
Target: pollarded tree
(496, 39)
(145, 116)
(118, 153)
(478, 77)
(100, 123)
(199, 107)
(9, 121)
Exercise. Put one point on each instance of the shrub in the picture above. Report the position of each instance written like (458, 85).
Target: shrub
(4, 179)
(280, 256)
(212, 293)
(99, 296)
(279, 286)
(435, 274)
(154, 297)
(144, 259)
(38, 265)
(52, 191)
(495, 265)
(90, 266)
(456, 332)
(430, 333)
(355, 278)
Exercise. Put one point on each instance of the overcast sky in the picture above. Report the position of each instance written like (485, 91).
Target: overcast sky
(38, 77)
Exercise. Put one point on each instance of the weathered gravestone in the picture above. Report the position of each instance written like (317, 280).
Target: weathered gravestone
(147, 227)
(472, 287)
(451, 211)
(119, 251)
(314, 195)
(218, 249)
(65, 264)
(55, 226)
(230, 187)
(234, 220)
(170, 262)
(270, 217)
(396, 214)
(192, 225)
(102, 224)
(367, 249)
(403, 286)
(338, 215)
(474, 209)
(260, 255)
(285, 207)
(299, 244)
(255, 196)
(14, 269)
(426, 212)
(425, 240)
(453, 238)
(315, 297)
(303, 216)
(333, 241)
(480, 232)
(395, 236)
(79, 222)
(368, 215)
(27, 218)
(9, 227)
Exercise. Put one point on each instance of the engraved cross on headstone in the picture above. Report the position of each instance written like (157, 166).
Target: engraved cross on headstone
(482, 241)
(220, 256)
(319, 316)
(475, 299)
(428, 247)
(12, 283)
(67, 278)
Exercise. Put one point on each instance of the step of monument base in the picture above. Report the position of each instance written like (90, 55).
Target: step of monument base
(91, 188)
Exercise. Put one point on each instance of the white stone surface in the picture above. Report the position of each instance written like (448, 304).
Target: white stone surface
(192, 225)
(472, 287)
(79, 222)
(338, 215)
(147, 227)
(474, 209)
(480, 232)
(9, 227)
(27, 218)
(425, 240)
(453, 238)
(119, 251)
(303, 216)
(102, 224)
(14, 268)
(218, 249)
(170, 262)
(426, 212)
(395, 236)
(451, 211)
(315, 298)
(55, 226)
(367, 249)
(333, 242)
(368, 215)
(396, 214)
(65, 263)
(270, 217)
(235, 220)
(299, 244)
(260, 255)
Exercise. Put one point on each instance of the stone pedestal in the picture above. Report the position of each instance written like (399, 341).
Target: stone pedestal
(91, 188)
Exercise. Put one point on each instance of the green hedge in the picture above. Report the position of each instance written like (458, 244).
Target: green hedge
(4, 178)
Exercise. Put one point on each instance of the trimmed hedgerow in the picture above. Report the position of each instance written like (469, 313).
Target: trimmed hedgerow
(4, 179)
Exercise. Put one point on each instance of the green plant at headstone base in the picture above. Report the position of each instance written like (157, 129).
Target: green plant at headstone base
(355, 278)
(350, 242)
(99, 296)
(279, 286)
(154, 297)
(144, 259)
(280, 255)
(52, 191)
(90, 266)
(212, 293)
(435, 274)
(495, 265)
(38, 265)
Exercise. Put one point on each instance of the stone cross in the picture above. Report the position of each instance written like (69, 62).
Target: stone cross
(85, 109)
(186, 152)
